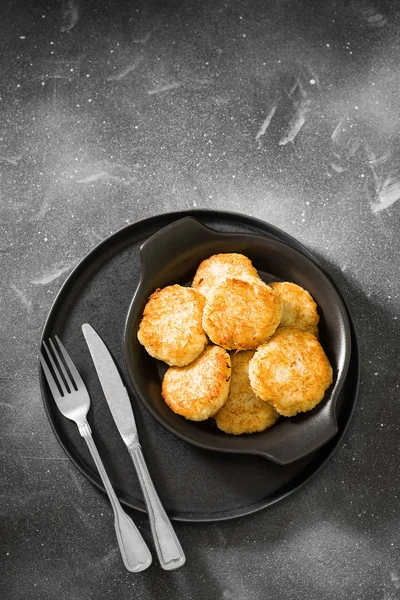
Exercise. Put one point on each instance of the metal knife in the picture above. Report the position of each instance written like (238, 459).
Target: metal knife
(169, 550)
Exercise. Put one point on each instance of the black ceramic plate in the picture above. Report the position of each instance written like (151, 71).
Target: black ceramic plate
(99, 291)
(172, 255)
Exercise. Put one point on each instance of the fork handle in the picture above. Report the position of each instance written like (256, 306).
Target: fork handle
(169, 550)
(134, 551)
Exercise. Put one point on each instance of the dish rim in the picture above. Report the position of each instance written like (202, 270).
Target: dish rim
(345, 317)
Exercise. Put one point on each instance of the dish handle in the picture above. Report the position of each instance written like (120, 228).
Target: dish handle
(297, 439)
(173, 245)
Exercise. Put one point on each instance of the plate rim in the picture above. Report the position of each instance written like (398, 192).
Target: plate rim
(211, 214)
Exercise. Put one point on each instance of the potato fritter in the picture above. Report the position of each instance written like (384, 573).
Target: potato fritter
(241, 315)
(171, 327)
(200, 389)
(291, 371)
(219, 267)
(244, 412)
(299, 308)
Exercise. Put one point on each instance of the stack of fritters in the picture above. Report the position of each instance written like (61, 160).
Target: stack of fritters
(276, 366)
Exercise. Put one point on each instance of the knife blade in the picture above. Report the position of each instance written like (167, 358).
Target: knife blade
(169, 550)
(114, 390)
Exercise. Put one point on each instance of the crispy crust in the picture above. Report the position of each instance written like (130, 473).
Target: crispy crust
(200, 389)
(244, 412)
(241, 315)
(171, 327)
(291, 371)
(299, 308)
(219, 267)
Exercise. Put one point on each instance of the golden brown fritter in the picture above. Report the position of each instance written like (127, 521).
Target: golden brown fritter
(299, 308)
(199, 390)
(241, 315)
(291, 371)
(171, 327)
(219, 267)
(244, 412)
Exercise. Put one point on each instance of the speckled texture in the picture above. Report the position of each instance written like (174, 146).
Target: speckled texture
(133, 110)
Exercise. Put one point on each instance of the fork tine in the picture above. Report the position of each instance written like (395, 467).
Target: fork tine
(50, 379)
(56, 371)
(74, 371)
(63, 369)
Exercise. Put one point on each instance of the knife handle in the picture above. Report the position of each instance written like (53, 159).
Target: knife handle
(169, 550)
(133, 548)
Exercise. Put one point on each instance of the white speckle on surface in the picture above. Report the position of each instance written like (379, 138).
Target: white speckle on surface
(49, 277)
(265, 124)
(128, 69)
(395, 579)
(164, 88)
(25, 301)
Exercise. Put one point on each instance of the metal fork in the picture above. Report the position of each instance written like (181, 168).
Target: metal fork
(72, 400)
